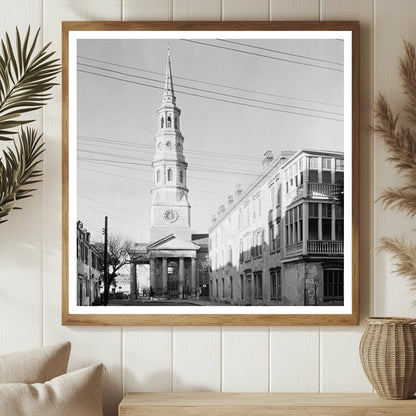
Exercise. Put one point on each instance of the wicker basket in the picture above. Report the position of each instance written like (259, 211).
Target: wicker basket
(388, 356)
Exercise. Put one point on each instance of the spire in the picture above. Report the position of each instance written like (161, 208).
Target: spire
(169, 94)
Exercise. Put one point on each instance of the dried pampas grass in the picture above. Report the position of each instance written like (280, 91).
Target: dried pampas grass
(401, 144)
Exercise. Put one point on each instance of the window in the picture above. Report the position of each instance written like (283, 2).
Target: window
(333, 284)
(272, 196)
(247, 248)
(258, 285)
(313, 163)
(339, 164)
(223, 288)
(170, 175)
(158, 176)
(216, 287)
(326, 170)
(326, 163)
(241, 286)
(313, 169)
(258, 244)
(339, 230)
(181, 176)
(275, 284)
(231, 288)
(294, 229)
(241, 252)
(326, 221)
(176, 123)
(169, 122)
(313, 221)
(272, 241)
(162, 122)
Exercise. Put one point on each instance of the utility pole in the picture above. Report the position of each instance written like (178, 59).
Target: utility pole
(106, 286)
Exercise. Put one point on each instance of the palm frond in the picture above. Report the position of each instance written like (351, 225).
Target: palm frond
(400, 142)
(401, 198)
(404, 254)
(408, 75)
(19, 170)
(25, 79)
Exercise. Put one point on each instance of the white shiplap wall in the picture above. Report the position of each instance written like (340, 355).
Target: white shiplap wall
(261, 359)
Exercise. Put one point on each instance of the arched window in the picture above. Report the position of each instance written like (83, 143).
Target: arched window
(176, 123)
(162, 122)
(170, 175)
(181, 176)
(158, 176)
(169, 122)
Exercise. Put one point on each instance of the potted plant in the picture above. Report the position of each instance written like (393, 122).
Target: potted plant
(388, 346)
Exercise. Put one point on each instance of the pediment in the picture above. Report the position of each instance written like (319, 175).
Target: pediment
(171, 242)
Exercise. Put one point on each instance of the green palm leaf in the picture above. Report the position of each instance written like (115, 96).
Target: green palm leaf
(19, 170)
(25, 79)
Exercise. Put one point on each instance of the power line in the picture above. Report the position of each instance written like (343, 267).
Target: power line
(238, 97)
(212, 98)
(262, 56)
(190, 175)
(283, 53)
(196, 168)
(149, 146)
(213, 83)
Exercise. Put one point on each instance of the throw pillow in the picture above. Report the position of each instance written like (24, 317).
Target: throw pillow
(35, 366)
(74, 394)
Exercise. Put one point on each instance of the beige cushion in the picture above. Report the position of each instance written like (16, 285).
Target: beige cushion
(35, 366)
(74, 394)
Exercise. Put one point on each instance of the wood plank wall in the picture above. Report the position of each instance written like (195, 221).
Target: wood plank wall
(262, 359)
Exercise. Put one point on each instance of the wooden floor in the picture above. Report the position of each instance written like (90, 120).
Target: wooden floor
(252, 404)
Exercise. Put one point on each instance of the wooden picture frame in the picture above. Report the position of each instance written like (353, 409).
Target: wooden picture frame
(317, 252)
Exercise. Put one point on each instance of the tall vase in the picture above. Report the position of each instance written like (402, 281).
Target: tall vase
(388, 356)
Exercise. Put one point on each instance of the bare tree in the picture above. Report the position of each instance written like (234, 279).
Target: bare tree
(117, 255)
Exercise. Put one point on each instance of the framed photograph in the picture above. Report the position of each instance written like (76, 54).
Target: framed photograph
(210, 173)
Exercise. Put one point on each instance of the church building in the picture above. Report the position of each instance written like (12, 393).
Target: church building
(177, 258)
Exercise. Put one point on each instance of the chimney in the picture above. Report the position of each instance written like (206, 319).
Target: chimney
(230, 199)
(238, 191)
(267, 158)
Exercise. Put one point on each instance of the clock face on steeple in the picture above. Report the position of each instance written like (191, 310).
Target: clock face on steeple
(171, 216)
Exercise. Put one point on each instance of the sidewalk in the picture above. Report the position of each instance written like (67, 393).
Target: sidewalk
(165, 302)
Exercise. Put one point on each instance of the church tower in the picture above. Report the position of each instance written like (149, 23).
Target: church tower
(170, 210)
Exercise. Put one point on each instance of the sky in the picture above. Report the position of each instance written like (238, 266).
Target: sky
(237, 102)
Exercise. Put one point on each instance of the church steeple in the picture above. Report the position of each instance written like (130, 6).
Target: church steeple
(170, 211)
(169, 94)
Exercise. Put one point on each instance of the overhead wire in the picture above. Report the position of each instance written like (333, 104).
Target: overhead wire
(239, 97)
(281, 52)
(211, 98)
(212, 83)
(262, 55)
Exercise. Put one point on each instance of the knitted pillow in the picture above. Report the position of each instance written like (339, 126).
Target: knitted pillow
(74, 394)
(35, 366)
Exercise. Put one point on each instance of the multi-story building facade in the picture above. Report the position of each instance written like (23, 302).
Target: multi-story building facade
(281, 241)
(88, 267)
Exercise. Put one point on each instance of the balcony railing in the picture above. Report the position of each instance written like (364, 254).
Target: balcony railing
(325, 247)
(324, 190)
(314, 190)
(316, 247)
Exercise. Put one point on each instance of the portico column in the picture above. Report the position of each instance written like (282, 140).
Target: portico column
(133, 281)
(193, 277)
(152, 276)
(165, 277)
(181, 277)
